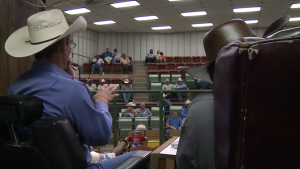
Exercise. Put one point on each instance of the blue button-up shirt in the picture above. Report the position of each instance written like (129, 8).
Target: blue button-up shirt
(65, 97)
(105, 54)
(184, 112)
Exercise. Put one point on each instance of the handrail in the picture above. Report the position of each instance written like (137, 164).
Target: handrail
(161, 117)
(81, 60)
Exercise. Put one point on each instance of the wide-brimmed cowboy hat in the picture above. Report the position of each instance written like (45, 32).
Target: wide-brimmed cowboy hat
(126, 81)
(179, 80)
(102, 80)
(42, 30)
(130, 104)
(214, 40)
(187, 102)
(164, 95)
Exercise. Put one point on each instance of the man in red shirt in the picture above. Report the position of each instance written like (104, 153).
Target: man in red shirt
(135, 139)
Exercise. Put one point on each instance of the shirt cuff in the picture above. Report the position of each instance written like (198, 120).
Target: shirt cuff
(102, 106)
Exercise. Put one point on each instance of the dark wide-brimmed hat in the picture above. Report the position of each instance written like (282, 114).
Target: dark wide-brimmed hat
(214, 40)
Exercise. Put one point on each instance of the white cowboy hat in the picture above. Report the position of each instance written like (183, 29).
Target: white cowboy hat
(126, 81)
(42, 30)
(167, 80)
(179, 79)
(164, 95)
(130, 104)
(102, 80)
(187, 102)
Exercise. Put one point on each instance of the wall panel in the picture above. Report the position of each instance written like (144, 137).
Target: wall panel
(137, 47)
(181, 44)
(144, 49)
(130, 46)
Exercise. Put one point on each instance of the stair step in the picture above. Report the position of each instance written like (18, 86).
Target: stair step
(139, 75)
(140, 88)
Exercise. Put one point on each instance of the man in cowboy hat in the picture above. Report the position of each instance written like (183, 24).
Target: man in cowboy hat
(184, 110)
(102, 82)
(51, 78)
(129, 112)
(179, 86)
(126, 86)
(166, 103)
(196, 144)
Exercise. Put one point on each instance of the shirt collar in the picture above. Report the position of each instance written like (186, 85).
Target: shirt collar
(40, 65)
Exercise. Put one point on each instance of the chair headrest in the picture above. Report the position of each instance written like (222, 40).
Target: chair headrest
(20, 109)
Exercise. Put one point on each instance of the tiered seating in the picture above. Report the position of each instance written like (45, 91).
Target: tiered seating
(107, 80)
(177, 59)
(190, 82)
(143, 120)
(177, 109)
(169, 59)
(161, 66)
(196, 58)
(153, 138)
(171, 65)
(153, 79)
(164, 77)
(189, 64)
(187, 59)
(154, 86)
(151, 66)
(125, 125)
(117, 67)
(174, 78)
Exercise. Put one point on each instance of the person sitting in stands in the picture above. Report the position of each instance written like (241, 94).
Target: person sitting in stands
(157, 56)
(150, 57)
(143, 112)
(107, 56)
(184, 110)
(167, 85)
(91, 86)
(96, 62)
(202, 84)
(126, 86)
(102, 82)
(166, 104)
(179, 86)
(135, 139)
(116, 56)
(163, 58)
(129, 112)
(126, 63)
(173, 123)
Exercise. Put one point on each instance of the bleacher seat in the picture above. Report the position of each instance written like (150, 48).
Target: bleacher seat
(143, 120)
(153, 137)
(175, 133)
(177, 109)
(198, 64)
(117, 85)
(161, 66)
(151, 66)
(182, 73)
(154, 123)
(87, 67)
(164, 77)
(187, 59)
(117, 67)
(190, 82)
(169, 59)
(177, 59)
(179, 64)
(95, 81)
(106, 68)
(116, 81)
(203, 59)
(155, 112)
(125, 125)
(189, 64)
(209, 86)
(171, 66)
(154, 86)
(196, 59)
(152, 72)
(163, 72)
(173, 71)
(175, 78)
(153, 79)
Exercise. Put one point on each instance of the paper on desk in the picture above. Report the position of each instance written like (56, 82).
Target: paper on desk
(169, 150)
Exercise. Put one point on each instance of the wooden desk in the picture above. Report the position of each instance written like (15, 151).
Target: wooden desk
(164, 156)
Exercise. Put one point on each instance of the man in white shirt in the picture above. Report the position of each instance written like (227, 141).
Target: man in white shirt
(97, 62)
(150, 57)
(102, 82)
(116, 56)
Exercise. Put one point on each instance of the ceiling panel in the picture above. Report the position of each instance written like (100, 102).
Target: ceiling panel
(218, 12)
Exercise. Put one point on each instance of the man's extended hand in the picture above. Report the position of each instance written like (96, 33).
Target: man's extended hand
(104, 94)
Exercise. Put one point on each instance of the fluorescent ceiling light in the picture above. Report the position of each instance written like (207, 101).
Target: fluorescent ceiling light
(295, 6)
(161, 27)
(251, 9)
(104, 22)
(77, 11)
(142, 18)
(193, 13)
(174, 0)
(251, 21)
(202, 24)
(295, 19)
(125, 4)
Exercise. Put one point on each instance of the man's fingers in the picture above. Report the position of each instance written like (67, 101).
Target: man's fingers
(115, 95)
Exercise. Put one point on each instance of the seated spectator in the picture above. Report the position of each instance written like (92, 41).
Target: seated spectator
(179, 86)
(125, 61)
(184, 110)
(150, 57)
(166, 104)
(163, 59)
(107, 56)
(126, 86)
(102, 82)
(202, 84)
(173, 123)
(143, 112)
(129, 112)
(157, 56)
(91, 85)
(167, 85)
(116, 56)
(96, 62)
(135, 139)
